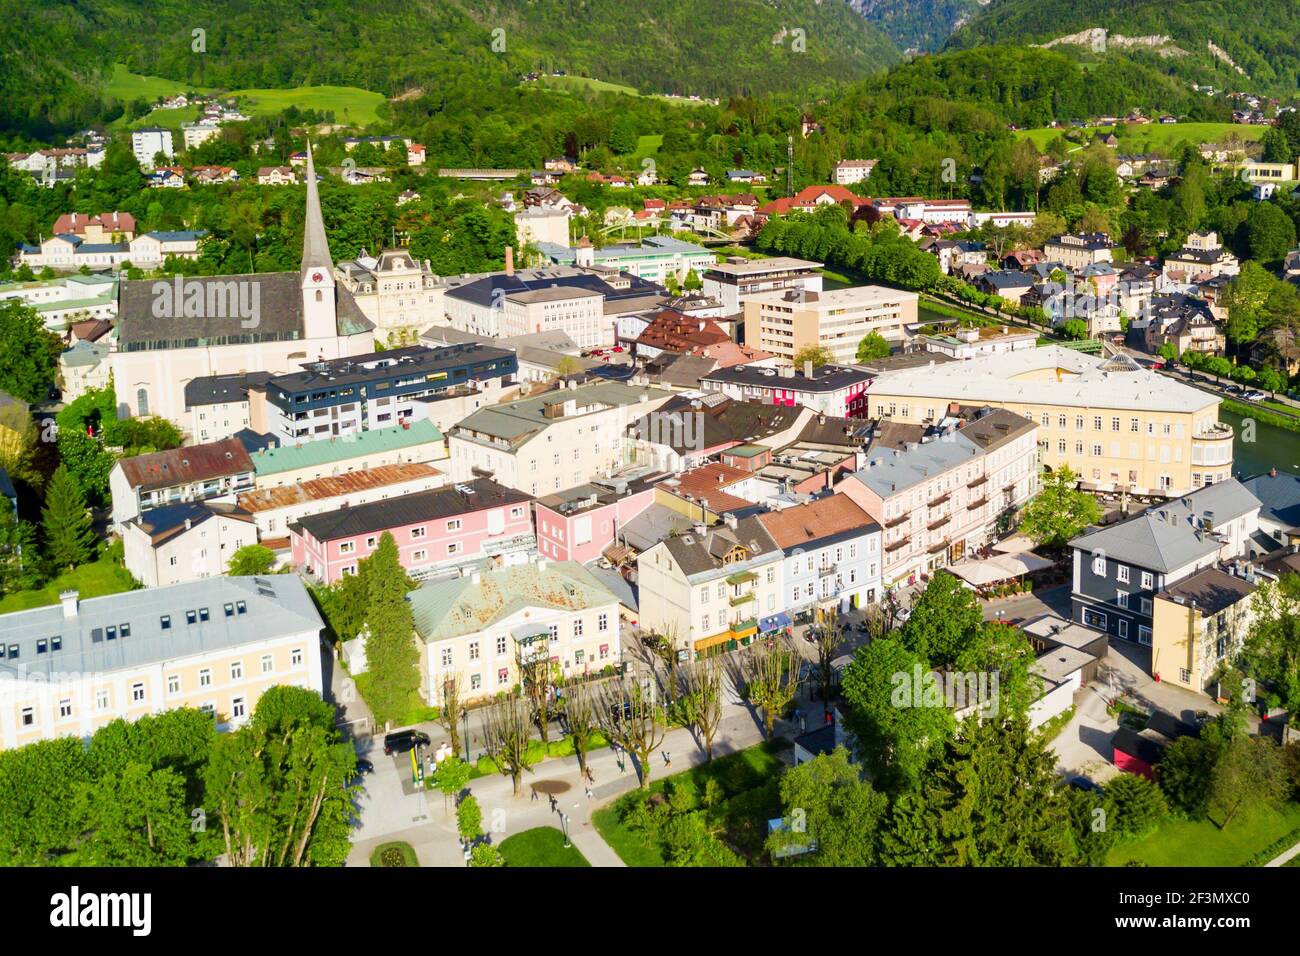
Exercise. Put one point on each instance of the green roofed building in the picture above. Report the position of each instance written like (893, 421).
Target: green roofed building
(292, 464)
(479, 628)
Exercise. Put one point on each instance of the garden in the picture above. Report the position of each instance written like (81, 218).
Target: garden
(714, 814)
(540, 846)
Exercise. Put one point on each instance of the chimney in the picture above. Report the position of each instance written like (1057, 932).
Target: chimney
(69, 601)
(1272, 472)
(510, 260)
(808, 369)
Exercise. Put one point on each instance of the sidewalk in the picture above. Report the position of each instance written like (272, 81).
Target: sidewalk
(504, 814)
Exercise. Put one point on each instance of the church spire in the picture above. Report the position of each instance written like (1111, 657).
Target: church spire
(315, 247)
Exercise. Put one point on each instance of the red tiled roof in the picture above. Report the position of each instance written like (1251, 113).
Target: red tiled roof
(163, 469)
(76, 223)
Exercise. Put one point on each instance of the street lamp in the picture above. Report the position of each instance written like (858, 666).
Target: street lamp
(468, 854)
(564, 825)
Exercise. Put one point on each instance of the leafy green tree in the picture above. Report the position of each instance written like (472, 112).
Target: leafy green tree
(1248, 775)
(1271, 651)
(1168, 351)
(897, 737)
(872, 347)
(1075, 330)
(826, 801)
(485, 854)
(29, 361)
(991, 798)
(1270, 232)
(138, 817)
(1089, 819)
(1136, 805)
(945, 619)
(996, 648)
(1059, 511)
(469, 819)
(817, 354)
(278, 786)
(771, 682)
(251, 559)
(451, 776)
(69, 535)
(38, 825)
(692, 282)
(20, 564)
(391, 655)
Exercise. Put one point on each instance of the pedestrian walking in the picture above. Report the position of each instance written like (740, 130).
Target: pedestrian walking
(668, 761)
(553, 803)
(534, 794)
(591, 777)
(588, 793)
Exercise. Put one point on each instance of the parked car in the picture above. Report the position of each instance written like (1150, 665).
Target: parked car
(401, 741)
(1255, 396)
(627, 711)
(1080, 782)
(1234, 388)
(364, 766)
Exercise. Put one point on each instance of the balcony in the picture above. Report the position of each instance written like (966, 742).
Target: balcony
(976, 482)
(738, 599)
(940, 546)
(1215, 432)
(901, 519)
(940, 500)
(978, 504)
(938, 523)
(741, 577)
(740, 629)
(826, 570)
(896, 545)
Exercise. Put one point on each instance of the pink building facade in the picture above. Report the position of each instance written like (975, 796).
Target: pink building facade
(435, 531)
(578, 524)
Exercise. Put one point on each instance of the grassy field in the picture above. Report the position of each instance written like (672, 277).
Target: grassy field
(96, 579)
(541, 846)
(128, 87)
(573, 84)
(1202, 843)
(350, 105)
(647, 145)
(1156, 137)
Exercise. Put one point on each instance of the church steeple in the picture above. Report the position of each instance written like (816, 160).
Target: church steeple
(315, 246)
(319, 317)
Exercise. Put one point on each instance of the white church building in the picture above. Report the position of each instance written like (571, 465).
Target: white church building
(175, 330)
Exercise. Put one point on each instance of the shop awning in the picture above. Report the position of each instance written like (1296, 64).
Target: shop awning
(1000, 567)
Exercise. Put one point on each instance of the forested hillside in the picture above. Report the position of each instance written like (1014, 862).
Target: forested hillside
(921, 25)
(1261, 40)
(56, 54)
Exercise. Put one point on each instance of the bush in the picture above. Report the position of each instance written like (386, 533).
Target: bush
(1137, 805)
(394, 855)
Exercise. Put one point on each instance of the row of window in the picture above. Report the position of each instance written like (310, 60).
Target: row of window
(27, 715)
(1123, 574)
(503, 673)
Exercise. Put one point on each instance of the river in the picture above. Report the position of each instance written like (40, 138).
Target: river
(1272, 447)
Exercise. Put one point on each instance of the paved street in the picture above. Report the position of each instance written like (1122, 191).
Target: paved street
(435, 840)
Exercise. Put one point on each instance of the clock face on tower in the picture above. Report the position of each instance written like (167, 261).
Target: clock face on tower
(316, 277)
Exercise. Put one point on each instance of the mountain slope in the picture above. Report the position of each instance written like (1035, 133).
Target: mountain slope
(917, 25)
(1239, 44)
(56, 54)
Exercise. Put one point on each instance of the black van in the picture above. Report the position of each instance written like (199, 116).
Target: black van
(401, 741)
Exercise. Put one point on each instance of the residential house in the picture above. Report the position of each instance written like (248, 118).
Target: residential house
(185, 541)
(832, 555)
(1075, 251)
(216, 471)
(436, 531)
(712, 589)
(582, 523)
(833, 390)
(478, 629)
(1199, 625)
(1119, 569)
(295, 464)
(850, 171)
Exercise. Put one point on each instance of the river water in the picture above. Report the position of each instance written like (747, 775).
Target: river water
(1272, 447)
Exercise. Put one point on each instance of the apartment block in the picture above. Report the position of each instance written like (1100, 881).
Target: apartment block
(786, 323)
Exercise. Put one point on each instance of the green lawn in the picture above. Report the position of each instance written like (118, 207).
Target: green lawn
(1154, 137)
(127, 86)
(1202, 843)
(394, 855)
(350, 105)
(572, 84)
(101, 577)
(541, 846)
(749, 783)
(647, 145)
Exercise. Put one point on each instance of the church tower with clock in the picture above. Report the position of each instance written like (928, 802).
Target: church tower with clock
(319, 317)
